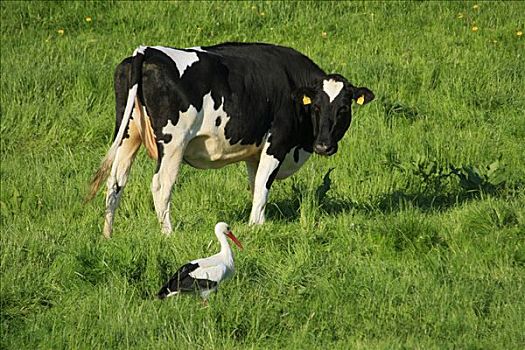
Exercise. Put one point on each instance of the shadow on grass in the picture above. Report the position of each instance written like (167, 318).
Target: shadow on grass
(427, 202)
(440, 201)
(290, 209)
(386, 203)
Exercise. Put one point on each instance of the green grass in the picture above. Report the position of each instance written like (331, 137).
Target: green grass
(393, 256)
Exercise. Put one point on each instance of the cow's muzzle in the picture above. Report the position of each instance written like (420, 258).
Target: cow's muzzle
(324, 149)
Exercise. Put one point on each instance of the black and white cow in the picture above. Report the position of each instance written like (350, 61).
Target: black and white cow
(267, 105)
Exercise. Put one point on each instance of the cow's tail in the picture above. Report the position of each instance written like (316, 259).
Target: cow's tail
(106, 164)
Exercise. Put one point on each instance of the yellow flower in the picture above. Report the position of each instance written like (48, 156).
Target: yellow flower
(475, 28)
(262, 14)
(519, 33)
(475, 7)
(60, 31)
(324, 34)
(88, 19)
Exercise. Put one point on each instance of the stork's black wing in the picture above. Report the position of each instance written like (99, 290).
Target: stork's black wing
(182, 282)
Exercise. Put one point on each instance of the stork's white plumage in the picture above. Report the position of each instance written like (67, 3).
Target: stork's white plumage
(203, 276)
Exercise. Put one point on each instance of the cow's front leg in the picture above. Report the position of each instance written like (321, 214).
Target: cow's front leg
(163, 181)
(266, 172)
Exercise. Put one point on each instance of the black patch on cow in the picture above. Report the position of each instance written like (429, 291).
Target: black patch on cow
(296, 155)
(160, 92)
(118, 188)
(136, 72)
(261, 78)
(127, 74)
(218, 121)
(121, 80)
(272, 176)
(160, 150)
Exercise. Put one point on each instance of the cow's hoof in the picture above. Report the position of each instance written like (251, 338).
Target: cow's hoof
(256, 222)
(166, 230)
(107, 232)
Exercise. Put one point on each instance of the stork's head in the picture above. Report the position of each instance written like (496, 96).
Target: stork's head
(223, 229)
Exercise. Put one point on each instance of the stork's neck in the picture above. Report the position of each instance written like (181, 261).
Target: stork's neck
(226, 251)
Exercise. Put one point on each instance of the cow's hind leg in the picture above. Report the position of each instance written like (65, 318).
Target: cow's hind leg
(163, 182)
(119, 175)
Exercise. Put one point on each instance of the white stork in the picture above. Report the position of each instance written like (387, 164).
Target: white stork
(203, 276)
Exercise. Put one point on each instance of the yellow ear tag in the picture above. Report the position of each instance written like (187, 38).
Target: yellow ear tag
(306, 100)
(360, 100)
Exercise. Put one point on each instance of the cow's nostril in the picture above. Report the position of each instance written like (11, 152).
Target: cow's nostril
(324, 150)
(320, 148)
(330, 150)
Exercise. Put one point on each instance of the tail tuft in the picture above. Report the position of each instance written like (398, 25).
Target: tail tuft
(100, 176)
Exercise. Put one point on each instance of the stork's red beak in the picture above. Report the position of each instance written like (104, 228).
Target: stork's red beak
(231, 236)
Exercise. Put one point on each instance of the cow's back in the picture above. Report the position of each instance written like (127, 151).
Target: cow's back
(272, 65)
(261, 78)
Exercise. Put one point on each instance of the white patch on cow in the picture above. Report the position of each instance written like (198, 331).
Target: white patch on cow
(332, 88)
(197, 48)
(173, 152)
(208, 147)
(182, 59)
(140, 50)
(267, 165)
(184, 130)
(289, 166)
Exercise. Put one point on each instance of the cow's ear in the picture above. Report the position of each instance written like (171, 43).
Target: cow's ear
(362, 95)
(303, 96)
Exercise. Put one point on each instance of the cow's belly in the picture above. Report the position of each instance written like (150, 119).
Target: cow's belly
(293, 161)
(208, 146)
(213, 151)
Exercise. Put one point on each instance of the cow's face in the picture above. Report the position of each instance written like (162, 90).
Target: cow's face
(328, 103)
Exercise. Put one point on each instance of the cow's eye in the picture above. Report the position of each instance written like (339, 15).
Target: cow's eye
(316, 109)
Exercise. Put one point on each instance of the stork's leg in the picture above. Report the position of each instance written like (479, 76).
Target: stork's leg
(266, 172)
(119, 175)
(163, 181)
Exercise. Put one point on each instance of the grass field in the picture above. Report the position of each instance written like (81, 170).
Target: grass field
(417, 244)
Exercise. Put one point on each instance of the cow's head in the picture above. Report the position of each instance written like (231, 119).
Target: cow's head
(328, 103)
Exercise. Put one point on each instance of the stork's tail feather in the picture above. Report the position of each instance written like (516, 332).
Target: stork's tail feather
(106, 165)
